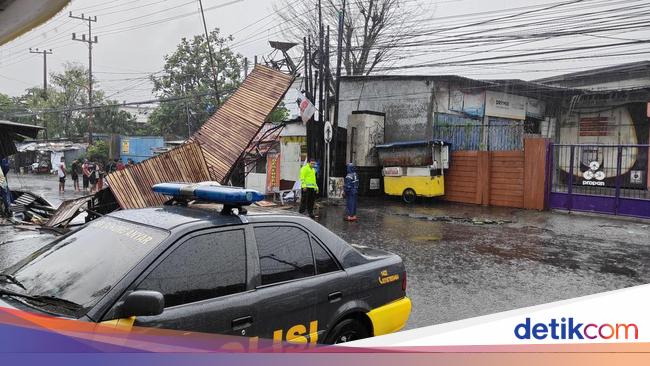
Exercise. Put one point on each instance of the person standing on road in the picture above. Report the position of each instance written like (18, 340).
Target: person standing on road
(99, 175)
(61, 172)
(85, 170)
(92, 177)
(75, 171)
(351, 190)
(308, 187)
(5, 193)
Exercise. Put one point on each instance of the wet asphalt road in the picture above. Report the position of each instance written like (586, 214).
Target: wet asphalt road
(460, 269)
(462, 260)
(18, 242)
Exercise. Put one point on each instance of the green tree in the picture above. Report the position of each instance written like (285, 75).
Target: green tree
(98, 151)
(72, 92)
(29, 108)
(111, 119)
(279, 114)
(187, 77)
(7, 106)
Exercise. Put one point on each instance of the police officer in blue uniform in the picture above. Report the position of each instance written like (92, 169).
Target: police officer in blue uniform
(351, 190)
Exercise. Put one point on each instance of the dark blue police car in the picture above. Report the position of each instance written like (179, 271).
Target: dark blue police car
(198, 266)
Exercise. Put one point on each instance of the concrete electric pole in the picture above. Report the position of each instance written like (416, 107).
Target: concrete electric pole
(90, 40)
(45, 53)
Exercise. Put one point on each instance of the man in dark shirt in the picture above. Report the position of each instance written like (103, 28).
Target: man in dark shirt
(76, 171)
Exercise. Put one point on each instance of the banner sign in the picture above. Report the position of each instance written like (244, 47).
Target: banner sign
(505, 105)
(471, 103)
(474, 103)
(335, 187)
(272, 172)
(125, 146)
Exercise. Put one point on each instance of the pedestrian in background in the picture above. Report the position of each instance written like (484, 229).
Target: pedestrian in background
(62, 173)
(85, 174)
(309, 188)
(99, 177)
(75, 170)
(351, 191)
(5, 193)
(92, 177)
(120, 165)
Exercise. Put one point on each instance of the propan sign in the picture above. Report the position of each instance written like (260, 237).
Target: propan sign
(505, 105)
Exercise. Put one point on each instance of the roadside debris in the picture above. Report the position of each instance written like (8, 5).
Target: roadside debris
(30, 208)
(466, 220)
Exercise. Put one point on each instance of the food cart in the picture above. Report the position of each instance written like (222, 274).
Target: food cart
(414, 169)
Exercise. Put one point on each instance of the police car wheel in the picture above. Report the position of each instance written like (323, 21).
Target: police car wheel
(346, 331)
(409, 195)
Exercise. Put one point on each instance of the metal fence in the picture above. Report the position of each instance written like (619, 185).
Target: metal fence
(611, 179)
(470, 137)
(601, 170)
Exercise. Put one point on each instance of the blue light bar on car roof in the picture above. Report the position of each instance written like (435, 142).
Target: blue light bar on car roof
(210, 192)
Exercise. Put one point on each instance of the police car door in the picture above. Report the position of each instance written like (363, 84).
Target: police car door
(204, 282)
(288, 292)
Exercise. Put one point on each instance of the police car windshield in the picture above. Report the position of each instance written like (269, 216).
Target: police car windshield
(82, 267)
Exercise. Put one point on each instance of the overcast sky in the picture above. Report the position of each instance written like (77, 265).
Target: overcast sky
(127, 49)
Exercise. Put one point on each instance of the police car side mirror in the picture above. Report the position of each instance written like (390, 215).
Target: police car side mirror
(142, 303)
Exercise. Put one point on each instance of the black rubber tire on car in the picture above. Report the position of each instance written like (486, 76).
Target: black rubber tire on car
(409, 195)
(347, 330)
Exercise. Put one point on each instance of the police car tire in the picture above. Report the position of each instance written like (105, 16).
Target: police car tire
(409, 195)
(347, 330)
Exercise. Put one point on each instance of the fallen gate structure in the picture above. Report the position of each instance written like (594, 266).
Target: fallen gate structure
(132, 186)
(214, 150)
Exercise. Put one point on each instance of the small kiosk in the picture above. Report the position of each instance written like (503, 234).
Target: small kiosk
(414, 168)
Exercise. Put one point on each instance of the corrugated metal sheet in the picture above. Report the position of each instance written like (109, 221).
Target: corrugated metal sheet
(10, 132)
(225, 136)
(132, 186)
(463, 133)
(67, 211)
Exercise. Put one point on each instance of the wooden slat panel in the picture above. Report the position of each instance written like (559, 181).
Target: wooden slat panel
(132, 186)
(460, 180)
(535, 151)
(225, 136)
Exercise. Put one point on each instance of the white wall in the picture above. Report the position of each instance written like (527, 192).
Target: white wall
(256, 181)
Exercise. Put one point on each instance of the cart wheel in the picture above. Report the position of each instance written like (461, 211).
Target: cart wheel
(409, 196)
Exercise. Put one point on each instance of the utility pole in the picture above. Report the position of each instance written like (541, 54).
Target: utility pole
(215, 74)
(326, 108)
(90, 40)
(45, 53)
(337, 85)
(321, 62)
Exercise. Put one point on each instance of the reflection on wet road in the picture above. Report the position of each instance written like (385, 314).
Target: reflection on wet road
(459, 267)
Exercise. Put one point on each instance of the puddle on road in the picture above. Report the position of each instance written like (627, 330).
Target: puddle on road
(453, 219)
(430, 238)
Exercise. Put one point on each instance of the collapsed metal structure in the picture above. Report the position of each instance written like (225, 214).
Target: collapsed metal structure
(214, 150)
